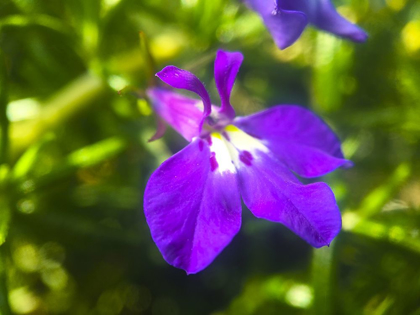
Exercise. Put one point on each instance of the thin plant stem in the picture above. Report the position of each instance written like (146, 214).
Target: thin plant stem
(4, 202)
(4, 121)
(323, 280)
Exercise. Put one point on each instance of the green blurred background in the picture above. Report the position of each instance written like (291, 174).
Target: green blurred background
(74, 159)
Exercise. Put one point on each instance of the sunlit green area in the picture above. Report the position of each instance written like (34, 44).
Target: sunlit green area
(74, 159)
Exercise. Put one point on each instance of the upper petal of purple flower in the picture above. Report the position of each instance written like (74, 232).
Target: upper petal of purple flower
(323, 15)
(181, 112)
(298, 138)
(183, 79)
(226, 67)
(286, 19)
(285, 26)
(192, 206)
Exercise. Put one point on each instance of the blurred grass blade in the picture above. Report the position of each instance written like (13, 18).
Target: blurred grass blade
(395, 234)
(332, 63)
(63, 105)
(42, 20)
(95, 153)
(28, 158)
(85, 157)
(375, 200)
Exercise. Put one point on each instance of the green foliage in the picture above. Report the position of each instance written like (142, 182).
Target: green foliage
(74, 159)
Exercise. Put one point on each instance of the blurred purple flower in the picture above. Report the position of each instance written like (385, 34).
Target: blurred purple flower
(286, 19)
(192, 201)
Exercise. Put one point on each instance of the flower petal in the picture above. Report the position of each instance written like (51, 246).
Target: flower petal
(160, 129)
(226, 67)
(309, 211)
(272, 192)
(298, 138)
(180, 112)
(285, 26)
(323, 15)
(329, 20)
(192, 206)
(182, 79)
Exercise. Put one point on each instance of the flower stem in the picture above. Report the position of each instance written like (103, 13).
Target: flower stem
(4, 121)
(4, 210)
(322, 280)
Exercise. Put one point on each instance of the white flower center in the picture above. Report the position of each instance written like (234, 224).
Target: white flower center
(232, 148)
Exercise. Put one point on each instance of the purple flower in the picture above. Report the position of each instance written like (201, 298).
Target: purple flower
(286, 19)
(192, 201)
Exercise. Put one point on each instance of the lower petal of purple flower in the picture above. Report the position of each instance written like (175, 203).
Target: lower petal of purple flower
(193, 210)
(298, 138)
(272, 192)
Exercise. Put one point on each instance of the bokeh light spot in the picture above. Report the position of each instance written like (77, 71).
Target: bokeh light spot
(55, 278)
(26, 206)
(144, 107)
(26, 258)
(396, 233)
(23, 301)
(299, 295)
(411, 36)
(23, 109)
(396, 5)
